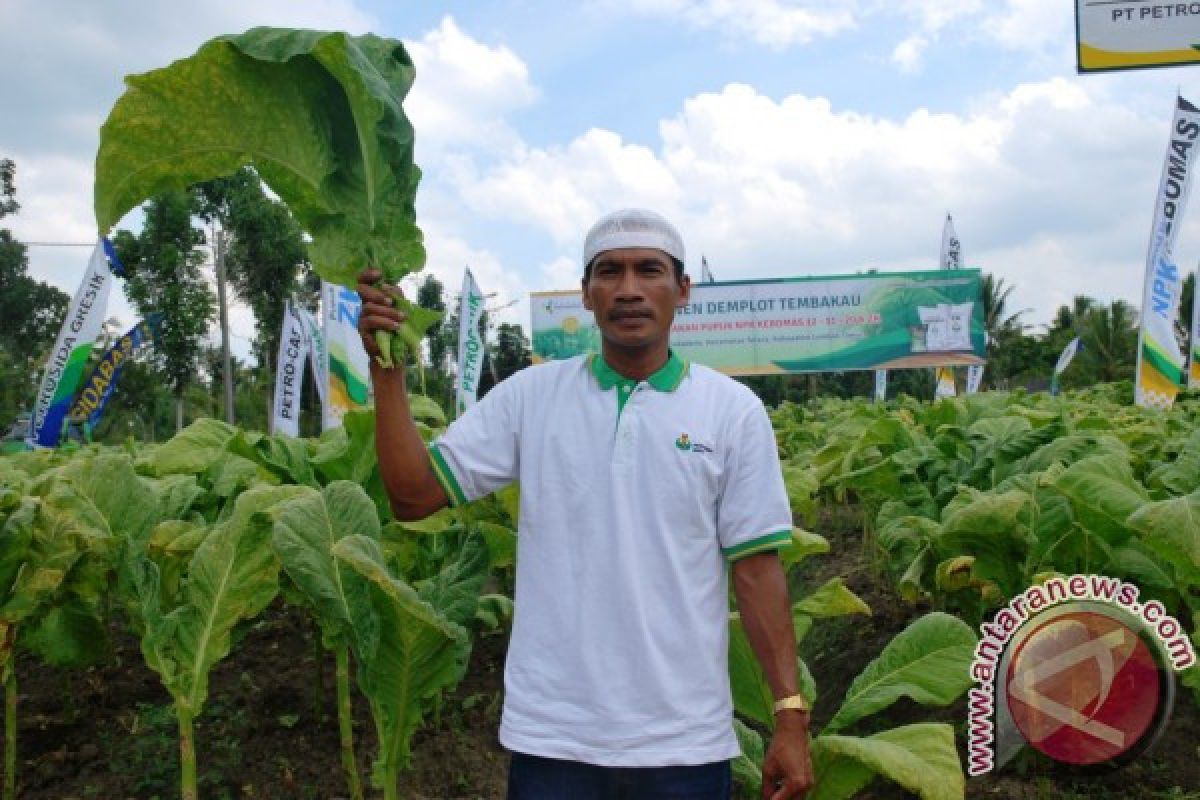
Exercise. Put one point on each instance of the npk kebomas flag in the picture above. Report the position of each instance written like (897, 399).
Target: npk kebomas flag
(1194, 343)
(85, 316)
(470, 344)
(348, 366)
(1160, 363)
(98, 388)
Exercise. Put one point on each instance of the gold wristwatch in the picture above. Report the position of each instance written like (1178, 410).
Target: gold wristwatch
(795, 702)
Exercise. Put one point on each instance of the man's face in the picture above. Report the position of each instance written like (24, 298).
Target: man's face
(633, 294)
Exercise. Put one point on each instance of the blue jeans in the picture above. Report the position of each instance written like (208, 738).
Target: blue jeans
(538, 778)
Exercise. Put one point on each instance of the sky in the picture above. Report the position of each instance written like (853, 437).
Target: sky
(782, 137)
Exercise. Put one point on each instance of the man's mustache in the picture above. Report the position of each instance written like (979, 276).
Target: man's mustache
(629, 313)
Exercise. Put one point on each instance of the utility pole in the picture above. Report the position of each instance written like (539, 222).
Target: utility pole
(226, 361)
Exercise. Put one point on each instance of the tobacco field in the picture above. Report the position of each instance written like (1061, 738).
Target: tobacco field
(234, 615)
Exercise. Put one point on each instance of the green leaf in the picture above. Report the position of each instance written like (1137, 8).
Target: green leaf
(416, 654)
(347, 453)
(747, 767)
(1171, 529)
(426, 410)
(306, 527)
(454, 591)
(987, 526)
(803, 545)
(232, 576)
(921, 758)
(501, 544)
(752, 696)
(832, 599)
(929, 662)
(318, 115)
(287, 458)
(192, 450)
(1103, 493)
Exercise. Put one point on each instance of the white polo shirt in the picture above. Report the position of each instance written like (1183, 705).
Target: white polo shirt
(633, 497)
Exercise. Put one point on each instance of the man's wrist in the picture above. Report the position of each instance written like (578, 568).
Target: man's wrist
(793, 702)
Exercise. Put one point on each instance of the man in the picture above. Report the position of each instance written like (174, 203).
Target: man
(641, 477)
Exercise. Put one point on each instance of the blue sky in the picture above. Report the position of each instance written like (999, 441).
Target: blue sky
(784, 137)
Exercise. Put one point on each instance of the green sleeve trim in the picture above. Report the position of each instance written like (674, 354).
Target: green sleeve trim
(445, 476)
(770, 541)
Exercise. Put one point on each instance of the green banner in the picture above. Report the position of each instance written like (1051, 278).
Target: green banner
(896, 320)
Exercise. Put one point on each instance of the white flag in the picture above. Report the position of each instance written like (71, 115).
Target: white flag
(945, 383)
(289, 373)
(1160, 364)
(317, 356)
(1194, 361)
(880, 385)
(1064, 360)
(706, 275)
(470, 344)
(951, 249)
(974, 378)
(78, 334)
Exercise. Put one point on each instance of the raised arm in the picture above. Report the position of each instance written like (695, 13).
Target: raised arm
(412, 489)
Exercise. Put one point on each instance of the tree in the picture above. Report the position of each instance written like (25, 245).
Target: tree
(431, 295)
(438, 382)
(162, 274)
(31, 312)
(1109, 335)
(266, 253)
(511, 351)
(996, 319)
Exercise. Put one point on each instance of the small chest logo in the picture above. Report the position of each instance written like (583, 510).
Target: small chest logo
(685, 444)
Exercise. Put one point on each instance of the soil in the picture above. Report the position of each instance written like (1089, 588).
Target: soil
(109, 732)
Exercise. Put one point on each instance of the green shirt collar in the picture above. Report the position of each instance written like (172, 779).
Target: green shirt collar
(666, 379)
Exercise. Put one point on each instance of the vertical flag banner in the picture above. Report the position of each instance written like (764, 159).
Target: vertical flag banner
(347, 366)
(316, 354)
(951, 249)
(974, 378)
(880, 385)
(470, 344)
(1064, 361)
(1160, 364)
(98, 388)
(945, 383)
(1194, 342)
(82, 326)
(706, 275)
(289, 373)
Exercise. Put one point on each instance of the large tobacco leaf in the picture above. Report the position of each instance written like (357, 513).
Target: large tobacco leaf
(920, 757)
(929, 661)
(413, 654)
(318, 115)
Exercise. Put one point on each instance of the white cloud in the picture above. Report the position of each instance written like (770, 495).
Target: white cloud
(1031, 24)
(907, 54)
(463, 90)
(564, 189)
(774, 23)
(769, 187)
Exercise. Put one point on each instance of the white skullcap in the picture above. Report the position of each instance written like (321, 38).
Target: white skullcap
(632, 227)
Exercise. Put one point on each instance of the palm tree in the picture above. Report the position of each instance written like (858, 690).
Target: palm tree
(996, 321)
(1109, 335)
(1068, 319)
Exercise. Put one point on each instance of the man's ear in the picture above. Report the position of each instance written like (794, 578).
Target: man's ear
(587, 301)
(685, 291)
